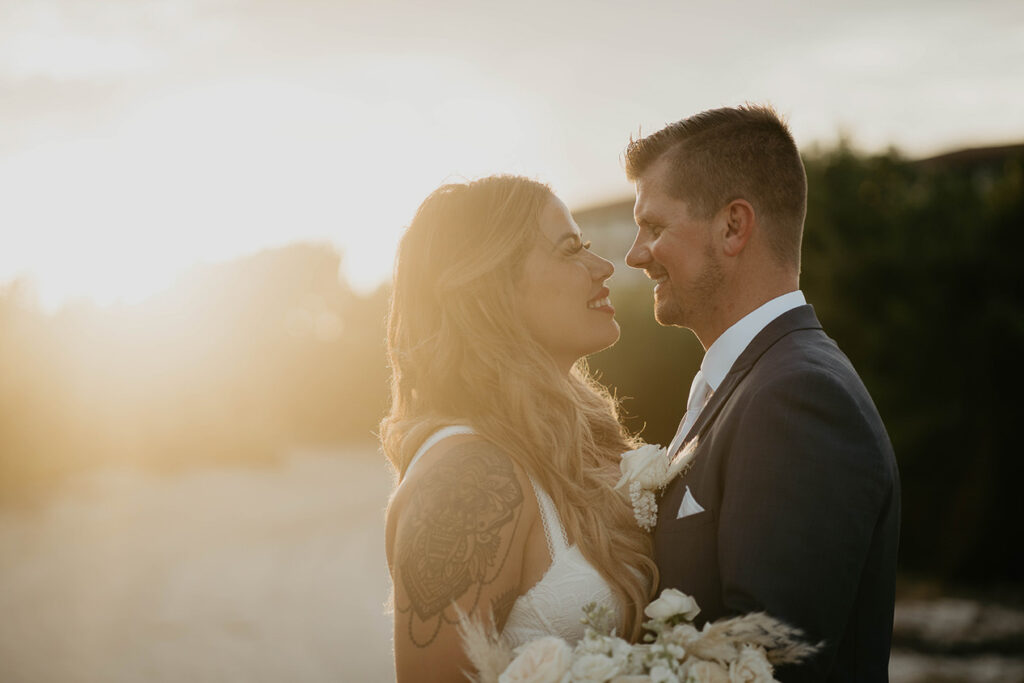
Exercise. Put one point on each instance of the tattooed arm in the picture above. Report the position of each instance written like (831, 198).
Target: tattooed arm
(456, 534)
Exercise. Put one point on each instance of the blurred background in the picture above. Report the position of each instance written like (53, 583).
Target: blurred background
(199, 205)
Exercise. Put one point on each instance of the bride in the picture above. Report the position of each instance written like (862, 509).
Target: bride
(506, 449)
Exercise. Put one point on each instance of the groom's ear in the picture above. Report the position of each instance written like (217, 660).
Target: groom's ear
(739, 226)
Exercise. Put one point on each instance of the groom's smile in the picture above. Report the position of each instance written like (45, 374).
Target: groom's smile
(674, 248)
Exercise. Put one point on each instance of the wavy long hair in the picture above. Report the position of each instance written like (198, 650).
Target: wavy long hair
(460, 353)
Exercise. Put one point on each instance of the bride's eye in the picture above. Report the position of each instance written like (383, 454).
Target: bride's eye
(576, 246)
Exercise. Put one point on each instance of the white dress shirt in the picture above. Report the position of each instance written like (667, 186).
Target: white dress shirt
(723, 353)
(720, 358)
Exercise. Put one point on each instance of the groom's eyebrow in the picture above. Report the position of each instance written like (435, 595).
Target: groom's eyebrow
(645, 220)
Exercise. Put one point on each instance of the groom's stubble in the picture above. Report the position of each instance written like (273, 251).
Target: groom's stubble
(688, 305)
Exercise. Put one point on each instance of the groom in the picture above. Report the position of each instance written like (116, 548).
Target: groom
(792, 503)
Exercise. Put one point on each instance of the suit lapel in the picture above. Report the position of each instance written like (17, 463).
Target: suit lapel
(799, 318)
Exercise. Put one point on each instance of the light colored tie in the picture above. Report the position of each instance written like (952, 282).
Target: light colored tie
(700, 392)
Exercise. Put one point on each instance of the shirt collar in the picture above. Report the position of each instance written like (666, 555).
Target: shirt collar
(728, 347)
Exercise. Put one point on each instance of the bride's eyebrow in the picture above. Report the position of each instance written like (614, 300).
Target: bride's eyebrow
(568, 236)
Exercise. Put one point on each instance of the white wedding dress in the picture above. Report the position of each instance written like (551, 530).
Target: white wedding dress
(554, 605)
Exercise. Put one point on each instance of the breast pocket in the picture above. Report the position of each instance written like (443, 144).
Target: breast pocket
(686, 552)
(697, 523)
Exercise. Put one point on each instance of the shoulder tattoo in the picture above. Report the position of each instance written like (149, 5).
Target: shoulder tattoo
(454, 543)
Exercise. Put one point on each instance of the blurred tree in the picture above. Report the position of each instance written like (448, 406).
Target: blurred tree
(911, 266)
(235, 364)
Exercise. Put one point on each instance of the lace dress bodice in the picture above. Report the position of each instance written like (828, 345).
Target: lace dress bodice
(554, 605)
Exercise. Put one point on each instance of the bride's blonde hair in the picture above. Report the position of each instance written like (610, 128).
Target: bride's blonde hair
(460, 353)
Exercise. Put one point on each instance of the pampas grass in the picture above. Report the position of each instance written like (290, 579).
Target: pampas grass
(722, 640)
(485, 647)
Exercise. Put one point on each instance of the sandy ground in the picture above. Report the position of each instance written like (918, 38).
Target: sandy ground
(243, 575)
(224, 575)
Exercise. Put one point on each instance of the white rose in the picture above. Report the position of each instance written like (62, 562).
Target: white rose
(662, 674)
(647, 465)
(682, 634)
(637, 660)
(670, 603)
(620, 652)
(677, 651)
(751, 667)
(594, 643)
(593, 668)
(706, 672)
(545, 660)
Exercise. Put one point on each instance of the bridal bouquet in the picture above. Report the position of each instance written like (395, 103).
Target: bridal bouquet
(733, 650)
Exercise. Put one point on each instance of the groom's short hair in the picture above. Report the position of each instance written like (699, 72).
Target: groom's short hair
(719, 155)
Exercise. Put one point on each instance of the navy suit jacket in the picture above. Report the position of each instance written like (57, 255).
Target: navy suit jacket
(801, 500)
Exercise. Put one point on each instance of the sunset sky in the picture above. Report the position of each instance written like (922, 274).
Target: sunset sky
(139, 137)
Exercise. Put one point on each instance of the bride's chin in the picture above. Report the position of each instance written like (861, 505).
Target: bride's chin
(611, 338)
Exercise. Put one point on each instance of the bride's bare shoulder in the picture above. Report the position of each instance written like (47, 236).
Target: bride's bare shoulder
(457, 528)
(462, 485)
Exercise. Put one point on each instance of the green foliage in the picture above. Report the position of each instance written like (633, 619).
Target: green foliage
(911, 266)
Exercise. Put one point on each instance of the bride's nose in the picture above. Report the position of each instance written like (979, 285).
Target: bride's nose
(602, 268)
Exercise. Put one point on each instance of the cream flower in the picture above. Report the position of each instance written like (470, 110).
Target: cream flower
(594, 643)
(647, 465)
(682, 634)
(545, 660)
(593, 668)
(671, 603)
(662, 674)
(706, 672)
(620, 652)
(751, 667)
(648, 470)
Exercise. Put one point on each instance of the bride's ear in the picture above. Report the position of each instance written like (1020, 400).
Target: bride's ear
(740, 219)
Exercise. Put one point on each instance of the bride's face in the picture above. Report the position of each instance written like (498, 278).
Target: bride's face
(562, 295)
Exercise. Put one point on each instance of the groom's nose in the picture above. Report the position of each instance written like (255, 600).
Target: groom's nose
(639, 254)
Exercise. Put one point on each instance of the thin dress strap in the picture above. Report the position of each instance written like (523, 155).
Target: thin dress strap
(433, 439)
(554, 532)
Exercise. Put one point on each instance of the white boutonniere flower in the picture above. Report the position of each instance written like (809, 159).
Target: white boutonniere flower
(647, 470)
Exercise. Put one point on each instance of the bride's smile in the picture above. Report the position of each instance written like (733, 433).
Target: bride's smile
(564, 301)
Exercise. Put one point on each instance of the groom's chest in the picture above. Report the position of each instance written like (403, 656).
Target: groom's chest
(694, 497)
(686, 535)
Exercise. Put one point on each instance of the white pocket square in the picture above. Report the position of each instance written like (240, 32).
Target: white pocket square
(689, 506)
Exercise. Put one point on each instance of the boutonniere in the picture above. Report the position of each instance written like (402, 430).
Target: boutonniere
(648, 470)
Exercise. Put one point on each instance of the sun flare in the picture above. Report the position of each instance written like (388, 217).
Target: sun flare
(211, 173)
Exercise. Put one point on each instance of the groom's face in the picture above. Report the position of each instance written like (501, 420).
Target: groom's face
(676, 250)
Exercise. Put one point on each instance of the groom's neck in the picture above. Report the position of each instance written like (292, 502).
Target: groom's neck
(740, 295)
